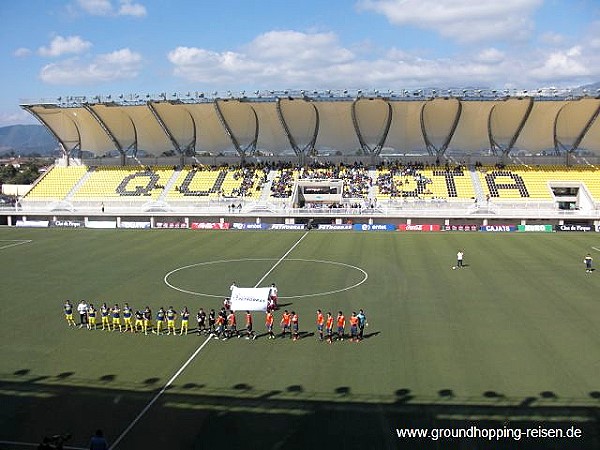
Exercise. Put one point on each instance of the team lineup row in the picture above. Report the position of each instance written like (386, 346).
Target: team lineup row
(222, 324)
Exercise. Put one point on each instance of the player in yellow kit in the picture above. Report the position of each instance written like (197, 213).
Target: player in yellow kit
(68, 308)
(127, 315)
(91, 317)
(105, 313)
(160, 320)
(185, 321)
(116, 317)
(171, 315)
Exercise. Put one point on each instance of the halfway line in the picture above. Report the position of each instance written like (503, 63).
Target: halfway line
(161, 392)
(190, 359)
(281, 259)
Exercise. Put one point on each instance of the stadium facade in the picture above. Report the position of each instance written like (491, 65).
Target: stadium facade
(299, 123)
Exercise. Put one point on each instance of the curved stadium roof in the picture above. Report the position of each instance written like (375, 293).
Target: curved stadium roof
(291, 122)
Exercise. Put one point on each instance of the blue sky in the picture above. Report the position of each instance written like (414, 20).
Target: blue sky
(51, 48)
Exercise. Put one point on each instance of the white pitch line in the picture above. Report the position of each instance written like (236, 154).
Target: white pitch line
(281, 259)
(597, 249)
(31, 444)
(15, 242)
(187, 363)
(161, 392)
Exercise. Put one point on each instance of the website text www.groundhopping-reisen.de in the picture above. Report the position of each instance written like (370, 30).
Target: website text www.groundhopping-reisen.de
(491, 433)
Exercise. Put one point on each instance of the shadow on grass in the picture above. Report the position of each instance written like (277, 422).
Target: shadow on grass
(195, 416)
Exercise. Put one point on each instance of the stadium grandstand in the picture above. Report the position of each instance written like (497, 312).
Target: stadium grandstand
(472, 156)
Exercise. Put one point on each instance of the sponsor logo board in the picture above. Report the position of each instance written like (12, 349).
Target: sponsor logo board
(249, 226)
(334, 226)
(535, 228)
(574, 227)
(32, 223)
(498, 228)
(419, 227)
(177, 225)
(287, 226)
(139, 225)
(461, 227)
(66, 223)
(210, 225)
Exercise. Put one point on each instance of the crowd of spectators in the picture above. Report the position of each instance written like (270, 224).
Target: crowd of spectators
(394, 179)
(252, 178)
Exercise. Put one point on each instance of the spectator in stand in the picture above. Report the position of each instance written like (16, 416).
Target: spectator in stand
(98, 442)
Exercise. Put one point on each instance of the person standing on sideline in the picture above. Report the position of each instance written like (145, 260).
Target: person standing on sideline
(295, 325)
(105, 313)
(212, 320)
(232, 325)
(320, 323)
(68, 308)
(185, 321)
(98, 442)
(82, 310)
(91, 317)
(354, 327)
(588, 260)
(249, 332)
(139, 321)
(171, 315)
(459, 259)
(329, 327)
(147, 319)
(362, 321)
(285, 322)
(127, 315)
(160, 320)
(269, 324)
(273, 295)
(201, 319)
(341, 325)
(116, 318)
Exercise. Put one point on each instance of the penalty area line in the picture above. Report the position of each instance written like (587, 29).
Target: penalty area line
(159, 394)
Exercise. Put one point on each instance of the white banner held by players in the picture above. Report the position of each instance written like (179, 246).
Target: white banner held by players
(249, 299)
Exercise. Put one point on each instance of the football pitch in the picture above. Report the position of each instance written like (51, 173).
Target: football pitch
(511, 341)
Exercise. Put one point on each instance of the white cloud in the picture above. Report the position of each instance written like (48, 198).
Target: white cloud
(291, 59)
(490, 55)
(552, 38)
(118, 65)
(17, 117)
(461, 20)
(22, 52)
(128, 8)
(107, 8)
(566, 64)
(96, 7)
(65, 45)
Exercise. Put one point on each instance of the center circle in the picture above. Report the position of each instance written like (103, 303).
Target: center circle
(363, 274)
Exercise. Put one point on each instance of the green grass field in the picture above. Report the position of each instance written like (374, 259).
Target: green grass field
(511, 340)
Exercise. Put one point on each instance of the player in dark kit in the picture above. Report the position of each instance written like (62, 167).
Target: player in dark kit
(201, 318)
(147, 320)
(139, 321)
(588, 263)
(212, 319)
